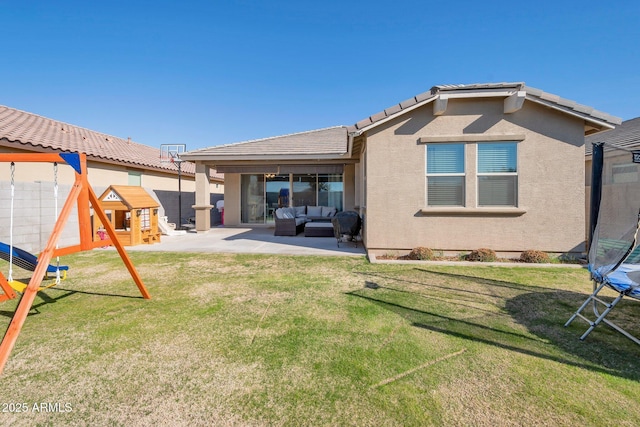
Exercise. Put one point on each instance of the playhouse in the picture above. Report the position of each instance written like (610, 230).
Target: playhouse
(133, 213)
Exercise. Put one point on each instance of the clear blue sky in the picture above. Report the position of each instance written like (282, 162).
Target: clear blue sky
(205, 73)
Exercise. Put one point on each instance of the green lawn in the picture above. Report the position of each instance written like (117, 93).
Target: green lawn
(276, 340)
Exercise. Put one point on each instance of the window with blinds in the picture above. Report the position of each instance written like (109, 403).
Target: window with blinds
(498, 174)
(445, 174)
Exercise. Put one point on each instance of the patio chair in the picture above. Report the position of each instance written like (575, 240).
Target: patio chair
(347, 225)
(287, 224)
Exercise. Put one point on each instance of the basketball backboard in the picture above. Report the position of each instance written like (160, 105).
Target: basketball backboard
(170, 153)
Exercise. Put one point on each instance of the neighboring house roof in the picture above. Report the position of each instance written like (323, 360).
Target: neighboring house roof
(321, 143)
(515, 95)
(34, 132)
(626, 136)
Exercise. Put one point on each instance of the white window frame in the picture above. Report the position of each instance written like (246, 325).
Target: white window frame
(452, 174)
(481, 174)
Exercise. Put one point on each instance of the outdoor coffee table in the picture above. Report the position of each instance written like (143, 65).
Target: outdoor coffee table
(318, 229)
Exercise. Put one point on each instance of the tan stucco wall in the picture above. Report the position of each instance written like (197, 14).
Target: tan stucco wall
(232, 199)
(349, 187)
(550, 176)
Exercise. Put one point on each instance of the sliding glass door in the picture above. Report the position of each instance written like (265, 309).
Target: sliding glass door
(262, 194)
(252, 199)
(277, 194)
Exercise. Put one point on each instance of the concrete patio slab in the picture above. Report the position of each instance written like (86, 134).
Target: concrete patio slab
(251, 241)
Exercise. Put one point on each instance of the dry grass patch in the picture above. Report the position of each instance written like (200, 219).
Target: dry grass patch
(277, 340)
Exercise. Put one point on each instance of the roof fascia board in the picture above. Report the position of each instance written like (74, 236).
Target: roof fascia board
(478, 93)
(589, 119)
(392, 116)
(231, 157)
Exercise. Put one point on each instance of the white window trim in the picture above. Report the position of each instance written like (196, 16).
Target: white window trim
(479, 174)
(463, 174)
(499, 211)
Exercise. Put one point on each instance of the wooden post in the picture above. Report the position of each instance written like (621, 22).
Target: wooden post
(8, 292)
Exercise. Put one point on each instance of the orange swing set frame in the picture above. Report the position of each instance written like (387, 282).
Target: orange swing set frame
(83, 195)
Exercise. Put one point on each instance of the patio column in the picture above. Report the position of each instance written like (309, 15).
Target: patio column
(203, 198)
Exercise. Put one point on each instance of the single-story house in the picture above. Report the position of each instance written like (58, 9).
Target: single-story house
(457, 168)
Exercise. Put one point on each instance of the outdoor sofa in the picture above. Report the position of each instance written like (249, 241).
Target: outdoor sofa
(291, 221)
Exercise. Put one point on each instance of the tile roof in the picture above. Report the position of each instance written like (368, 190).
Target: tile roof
(31, 130)
(626, 136)
(327, 142)
(532, 94)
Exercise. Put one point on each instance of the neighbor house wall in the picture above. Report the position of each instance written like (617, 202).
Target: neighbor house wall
(34, 215)
(550, 215)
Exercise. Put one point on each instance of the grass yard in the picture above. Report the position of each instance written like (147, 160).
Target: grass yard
(274, 340)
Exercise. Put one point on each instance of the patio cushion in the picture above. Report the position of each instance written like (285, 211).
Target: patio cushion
(300, 211)
(328, 211)
(314, 210)
(288, 213)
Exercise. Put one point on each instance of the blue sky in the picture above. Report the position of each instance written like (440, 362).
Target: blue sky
(205, 73)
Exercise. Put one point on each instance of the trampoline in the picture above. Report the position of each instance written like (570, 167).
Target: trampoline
(614, 251)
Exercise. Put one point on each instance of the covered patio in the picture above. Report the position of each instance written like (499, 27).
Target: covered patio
(313, 168)
(252, 241)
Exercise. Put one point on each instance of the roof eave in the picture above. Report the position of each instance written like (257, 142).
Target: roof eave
(599, 123)
(265, 157)
(367, 128)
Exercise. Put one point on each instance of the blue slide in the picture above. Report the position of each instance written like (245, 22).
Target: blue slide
(25, 260)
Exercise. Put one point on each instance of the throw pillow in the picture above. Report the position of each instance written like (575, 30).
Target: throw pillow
(314, 210)
(279, 213)
(328, 211)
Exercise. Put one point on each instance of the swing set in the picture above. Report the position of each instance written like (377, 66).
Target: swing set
(22, 258)
(85, 198)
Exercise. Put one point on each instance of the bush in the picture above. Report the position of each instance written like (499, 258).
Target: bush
(421, 253)
(534, 257)
(482, 255)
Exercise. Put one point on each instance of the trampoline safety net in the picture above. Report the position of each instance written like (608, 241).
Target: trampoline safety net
(614, 251)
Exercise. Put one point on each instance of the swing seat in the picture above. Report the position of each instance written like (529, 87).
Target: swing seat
(20, 286)
(26, 260)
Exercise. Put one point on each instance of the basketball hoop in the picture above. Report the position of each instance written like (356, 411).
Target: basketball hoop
(170, 154)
